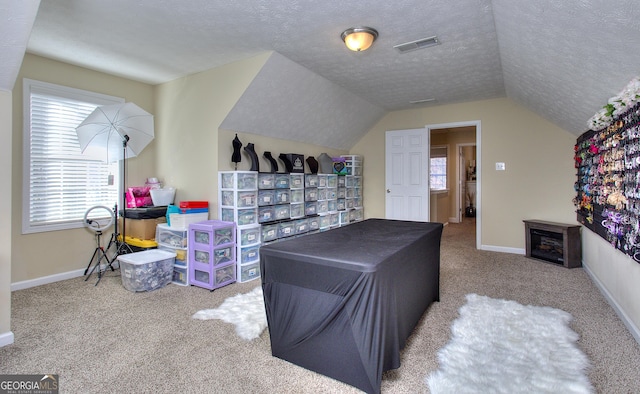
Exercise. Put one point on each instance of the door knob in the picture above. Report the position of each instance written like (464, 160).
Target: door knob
(388, 190)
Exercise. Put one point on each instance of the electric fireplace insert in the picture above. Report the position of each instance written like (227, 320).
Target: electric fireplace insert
(552, 242)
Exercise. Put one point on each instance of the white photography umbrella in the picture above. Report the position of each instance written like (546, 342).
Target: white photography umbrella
(109, 129)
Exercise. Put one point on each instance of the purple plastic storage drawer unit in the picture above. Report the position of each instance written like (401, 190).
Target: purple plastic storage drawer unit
(221, 276)
(211, 233)
(212, 253)
(214, 256)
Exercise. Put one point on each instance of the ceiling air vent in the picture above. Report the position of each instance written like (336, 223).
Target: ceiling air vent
(417, 44)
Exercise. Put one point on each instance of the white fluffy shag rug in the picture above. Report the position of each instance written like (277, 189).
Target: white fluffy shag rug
(501, 346)
(246, 311)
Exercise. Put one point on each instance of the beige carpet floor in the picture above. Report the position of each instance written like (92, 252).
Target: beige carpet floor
(105, 339)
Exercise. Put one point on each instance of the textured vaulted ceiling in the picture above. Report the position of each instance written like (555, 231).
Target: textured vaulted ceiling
(561, 59)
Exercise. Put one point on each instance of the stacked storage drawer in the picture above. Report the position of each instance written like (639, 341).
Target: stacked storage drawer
(212, 254)
(352, 205)
(238, 197)
(273, 197)
(341, 202)
(311, 196)
(248, 198)
(353, 164)
(248, 262)
(303, 192)
(175, 240)
(296, 186)
(327, 200)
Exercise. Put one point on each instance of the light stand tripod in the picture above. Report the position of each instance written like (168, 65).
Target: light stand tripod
(99, 252)
(120, 240)
(117, 239)
(98, 255)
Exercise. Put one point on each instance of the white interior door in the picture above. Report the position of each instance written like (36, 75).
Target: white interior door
(407, 175)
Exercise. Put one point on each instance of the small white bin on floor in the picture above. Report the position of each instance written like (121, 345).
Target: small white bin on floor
(147, 270)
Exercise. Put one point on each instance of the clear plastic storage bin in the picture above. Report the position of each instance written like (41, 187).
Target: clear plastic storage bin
(266, 197)
(296, 181)
(297, 210)
(239, 180)
(282, 181)
(249, 272)
(147, 270)
(171, 236)
(249, 235)
(311, 180)
(283, 196)
(282, 211)
(269, 232)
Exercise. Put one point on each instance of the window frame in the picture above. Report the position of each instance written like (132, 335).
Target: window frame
(33, 86)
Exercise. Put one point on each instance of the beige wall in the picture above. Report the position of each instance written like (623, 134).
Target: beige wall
(617, 273)
(190, 111)
(439, 202)
(192, 149)
(5, 212)
(50, 253)
(538, 182)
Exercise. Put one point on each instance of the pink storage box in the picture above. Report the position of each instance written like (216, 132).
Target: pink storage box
(138, 197)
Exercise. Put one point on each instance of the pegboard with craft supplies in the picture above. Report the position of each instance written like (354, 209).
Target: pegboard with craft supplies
(607, 159)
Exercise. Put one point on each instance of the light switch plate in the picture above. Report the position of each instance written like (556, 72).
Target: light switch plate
(500, 167)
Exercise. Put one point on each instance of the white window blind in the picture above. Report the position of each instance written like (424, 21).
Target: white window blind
(60, 182)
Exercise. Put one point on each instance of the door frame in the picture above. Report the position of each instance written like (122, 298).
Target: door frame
(461, 197)
(478, 126)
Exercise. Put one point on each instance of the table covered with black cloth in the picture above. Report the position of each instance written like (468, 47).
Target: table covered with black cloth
(343, 302)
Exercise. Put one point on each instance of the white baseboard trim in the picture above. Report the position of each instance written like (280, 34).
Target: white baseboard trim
(633, 329)
(46, 279)
(502, 249)
(453, 220)
(6, 338)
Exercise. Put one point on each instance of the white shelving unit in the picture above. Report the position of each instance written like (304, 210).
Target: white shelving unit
(175, 240)
(238, 202)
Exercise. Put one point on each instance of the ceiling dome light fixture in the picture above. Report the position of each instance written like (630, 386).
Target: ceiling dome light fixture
(359, 38)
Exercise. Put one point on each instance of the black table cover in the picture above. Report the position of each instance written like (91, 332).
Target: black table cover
(343, 302)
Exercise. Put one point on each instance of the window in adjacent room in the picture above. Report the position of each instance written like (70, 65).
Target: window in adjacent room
(438, 167)
(59, 182)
